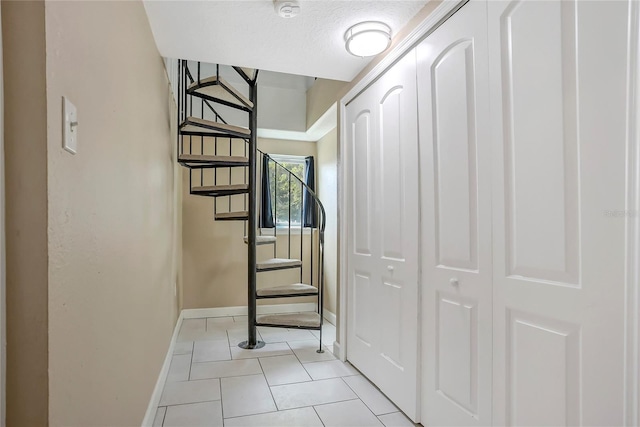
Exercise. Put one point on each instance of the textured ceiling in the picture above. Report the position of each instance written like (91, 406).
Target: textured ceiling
(249, 33)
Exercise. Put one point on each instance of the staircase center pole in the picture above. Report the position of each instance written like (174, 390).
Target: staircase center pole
(251, 297)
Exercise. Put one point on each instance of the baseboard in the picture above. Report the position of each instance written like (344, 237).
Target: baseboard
(209, 312)
(194, 313)
(337, 351)
(150, 415)
(329, 316)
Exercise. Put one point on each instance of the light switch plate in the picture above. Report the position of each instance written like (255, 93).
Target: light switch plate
(69, 126)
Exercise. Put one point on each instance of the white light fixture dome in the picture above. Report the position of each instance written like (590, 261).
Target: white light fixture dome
(367, 38)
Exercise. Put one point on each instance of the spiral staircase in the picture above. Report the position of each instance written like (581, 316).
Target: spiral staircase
(223, 161)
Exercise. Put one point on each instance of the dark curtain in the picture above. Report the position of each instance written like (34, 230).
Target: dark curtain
(266, 211)
(309, 211)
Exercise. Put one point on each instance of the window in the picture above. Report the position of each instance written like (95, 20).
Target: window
(284, 188)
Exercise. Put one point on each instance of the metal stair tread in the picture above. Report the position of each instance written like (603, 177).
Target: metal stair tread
(278, 264)
(232, 216)
(285, 290)
(203, 159)
(250, 72)
(197, 126)
(220, 189)
(217, 88)
(262, 240)
(308, 320)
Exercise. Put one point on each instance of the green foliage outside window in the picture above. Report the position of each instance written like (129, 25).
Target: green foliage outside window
(284, 188)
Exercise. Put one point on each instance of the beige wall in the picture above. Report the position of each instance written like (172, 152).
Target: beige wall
(26, 215)
(281, 146)
(112, 214)
(328, 192)
(92, 236)
(214, 253)
(321, 96)
(3, 251)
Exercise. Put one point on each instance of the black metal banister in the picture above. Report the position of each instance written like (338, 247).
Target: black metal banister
(252, 341)
(309, 190)
(201, 160)
(318, 207)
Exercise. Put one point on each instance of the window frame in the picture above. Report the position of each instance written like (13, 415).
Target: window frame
(284, 229)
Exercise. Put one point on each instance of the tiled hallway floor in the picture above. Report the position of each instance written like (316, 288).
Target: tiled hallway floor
(212, 382)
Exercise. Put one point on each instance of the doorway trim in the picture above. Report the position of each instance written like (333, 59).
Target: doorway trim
(3, 310)
(632, 339)
(440, 14)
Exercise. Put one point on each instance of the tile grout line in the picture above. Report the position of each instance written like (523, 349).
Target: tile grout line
(220, 378)
(339, 401)
(377, 389)
(392, 412)
(318, 415)
(221, 405)
(356, 393)
(321, 404)
(164, 416)
(193, 350)
(294, 353)
(365, 405)
(295, 382)
(191, 403)
(268, 386)
(296, 356)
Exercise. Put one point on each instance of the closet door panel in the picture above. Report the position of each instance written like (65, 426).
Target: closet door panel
(558, 101)
(363, 251)
(362, 207)
(456, 345)
(398, 228)
(392, 182)
(456, 219)
(383, 292)
(456, 180)
(541, 139)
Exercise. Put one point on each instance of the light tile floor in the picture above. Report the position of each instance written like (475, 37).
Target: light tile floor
(213, 382)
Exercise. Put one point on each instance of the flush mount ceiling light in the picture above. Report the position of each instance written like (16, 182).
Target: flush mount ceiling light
(367, 38)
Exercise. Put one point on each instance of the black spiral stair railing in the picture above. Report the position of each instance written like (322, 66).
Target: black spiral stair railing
(223, 160)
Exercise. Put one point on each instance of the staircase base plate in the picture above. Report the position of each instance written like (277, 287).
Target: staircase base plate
(246, 346)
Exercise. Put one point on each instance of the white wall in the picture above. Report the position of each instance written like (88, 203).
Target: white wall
(282, 98)
(282, 109)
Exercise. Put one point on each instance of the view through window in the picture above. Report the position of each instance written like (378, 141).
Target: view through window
(284, 188)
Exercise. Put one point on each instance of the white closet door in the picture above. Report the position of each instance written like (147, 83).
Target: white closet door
(456, 259)
(383, 234)
(558, 98)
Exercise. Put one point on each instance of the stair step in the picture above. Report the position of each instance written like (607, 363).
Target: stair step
(201, 127)
(218, 90)
(204, 161)
(249, 72)
(262, 240)
(220, 190)
(308, 320)
(278, 264)
(232, 216)
(294, 290)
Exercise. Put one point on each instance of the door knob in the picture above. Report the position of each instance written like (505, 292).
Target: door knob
(454, 281)
(390, 267)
